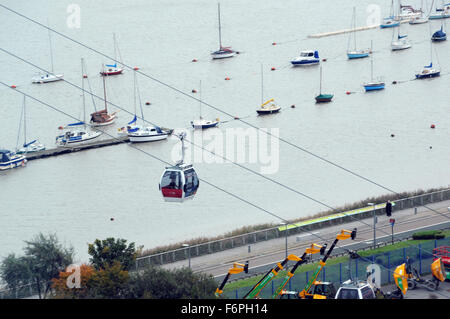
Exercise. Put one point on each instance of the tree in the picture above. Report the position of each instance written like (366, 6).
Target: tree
(159, 283)
(109, 282)
(108, 251)
(46, 258)
(63, 290)
(15, 272)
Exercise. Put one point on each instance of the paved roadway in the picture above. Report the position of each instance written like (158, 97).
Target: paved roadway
(264, 255)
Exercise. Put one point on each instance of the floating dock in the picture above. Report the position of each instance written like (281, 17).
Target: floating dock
(81, 147)
(327, 34)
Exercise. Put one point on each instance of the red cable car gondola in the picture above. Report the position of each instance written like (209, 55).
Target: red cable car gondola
(179, 182)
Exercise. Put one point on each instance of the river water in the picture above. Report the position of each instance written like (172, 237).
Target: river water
(113, 191)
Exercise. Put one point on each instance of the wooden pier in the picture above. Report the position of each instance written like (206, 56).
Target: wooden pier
(327, 34)
(81, 147)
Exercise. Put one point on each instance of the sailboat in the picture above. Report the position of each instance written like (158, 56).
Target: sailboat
(102, 117)
(48, 77)
(401, 43)
(322, 97)
(76, 133)
(429, 71)
(441, 13)
(28, 147)
(269, 106)
(223, 52)
(356, 54)
(419, 19)
(141, 133)
(373, 85)
(390, 21)
(112, 69)
(201, 123)
(439, 35)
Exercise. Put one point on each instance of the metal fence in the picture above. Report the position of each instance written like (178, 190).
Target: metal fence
(272, 233)
(420, 255)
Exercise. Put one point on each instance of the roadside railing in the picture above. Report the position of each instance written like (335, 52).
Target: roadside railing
(192, 251)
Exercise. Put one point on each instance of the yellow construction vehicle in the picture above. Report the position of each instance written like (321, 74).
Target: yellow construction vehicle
(308, 291)
(314, 249)
(415, 280)
(236, 269)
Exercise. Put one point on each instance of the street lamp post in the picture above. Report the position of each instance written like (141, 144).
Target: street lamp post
(286, 243)
(189, 253)
(374, 225)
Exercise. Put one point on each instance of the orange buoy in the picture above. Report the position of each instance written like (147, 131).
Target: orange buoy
(274, 43)
(348, 92)
(227, 79)
(84, 76)
(324, 60)
(273, 69)
(13, 86)
(194, 60)
(433, 126)
(147, 103)
(194, 91)
(135, 68)
(236, 117)
(60, 127)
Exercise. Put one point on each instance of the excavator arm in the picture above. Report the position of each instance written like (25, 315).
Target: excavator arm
(344, 234)
(314, 249)
(256, 289)
(236, 269)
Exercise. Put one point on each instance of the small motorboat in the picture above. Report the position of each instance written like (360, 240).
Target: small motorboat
(10, 160)
(46, 78)
(204, 124)
(76, 136)
(138, 134)
(428, 72)
(307, 58)
(419, 19)
(268, 107)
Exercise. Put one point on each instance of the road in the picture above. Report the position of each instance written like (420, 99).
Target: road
(263, 255)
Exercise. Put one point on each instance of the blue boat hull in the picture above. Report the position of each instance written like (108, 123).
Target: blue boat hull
(436, 39)
(204, 126)
(374, 87)
(384, 26)
(352, 56)
(426, 76)
(305, 62)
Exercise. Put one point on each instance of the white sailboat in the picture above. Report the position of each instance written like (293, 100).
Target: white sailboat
(112, 69)
(28, 147)
(48, 77)
(355, 53)
(400, 42)
(421, 18)
(77, 133)
(223, 52)
(268, 107)
(141, 133)
(202, 123)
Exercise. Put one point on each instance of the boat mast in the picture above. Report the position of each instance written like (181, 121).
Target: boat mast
(262, 85)
(320, 90)
(104, 93)
(51, 50)
(354, 25)
(371, 63)
(200, 88)
(82, 88)
(24, 123)
(220, 29)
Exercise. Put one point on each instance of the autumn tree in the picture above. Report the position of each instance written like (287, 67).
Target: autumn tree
(65, 286)
(110, 282)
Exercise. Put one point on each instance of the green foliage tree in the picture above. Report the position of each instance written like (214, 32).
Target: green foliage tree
(159, 283)
(110, 282)
(108, 251)
(15, 272)
(44, 258)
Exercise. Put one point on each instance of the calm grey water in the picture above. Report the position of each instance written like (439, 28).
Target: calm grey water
(76, 195)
